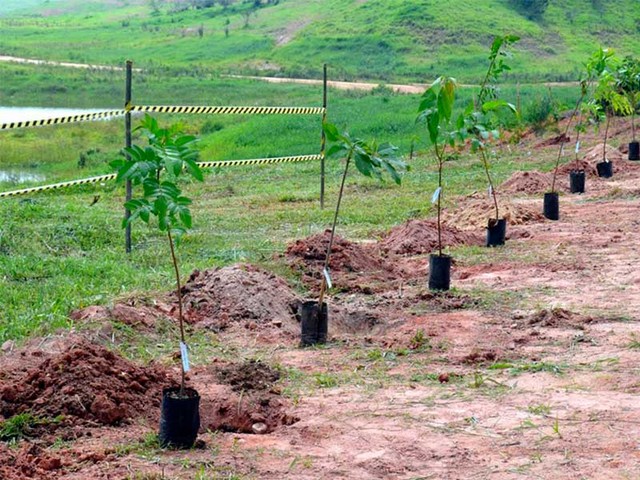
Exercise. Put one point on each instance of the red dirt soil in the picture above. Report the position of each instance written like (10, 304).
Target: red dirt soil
(417, 237)
(352, 267)
(87, 384)
(242, 295)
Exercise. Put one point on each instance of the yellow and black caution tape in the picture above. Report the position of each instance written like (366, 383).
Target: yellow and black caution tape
(112, 176)
(228, 110)
(260, 161)
(82, 117)
(55, 186)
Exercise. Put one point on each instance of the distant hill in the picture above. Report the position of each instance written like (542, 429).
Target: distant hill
(383, 40)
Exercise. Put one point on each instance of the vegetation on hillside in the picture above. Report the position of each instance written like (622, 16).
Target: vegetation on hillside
(391, 40)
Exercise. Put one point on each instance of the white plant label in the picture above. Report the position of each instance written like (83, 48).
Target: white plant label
(490, 190)
(577, 146)
(436, 195)
(184, 355)
(327, 277)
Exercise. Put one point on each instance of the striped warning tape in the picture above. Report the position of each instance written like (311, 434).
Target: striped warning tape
(229, 110)
(112, 176)
(260, 161)
(83, 117)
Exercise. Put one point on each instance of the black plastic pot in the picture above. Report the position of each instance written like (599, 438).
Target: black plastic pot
(551, 208)
(496, 232)
(439, 272)
(634, 151)
(605, 169)
(314, 327)
(576, 181)
(179, 418)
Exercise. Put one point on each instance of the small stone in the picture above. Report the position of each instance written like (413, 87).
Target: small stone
(8, 345)
(443, 378)
(259, 428)
(277, 323)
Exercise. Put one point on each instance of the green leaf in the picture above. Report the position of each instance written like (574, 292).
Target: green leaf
(331, 131)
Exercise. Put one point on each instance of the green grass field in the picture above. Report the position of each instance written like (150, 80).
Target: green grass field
(60, 251)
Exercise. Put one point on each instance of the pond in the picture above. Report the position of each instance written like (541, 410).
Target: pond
(16, 177)
(21, 114)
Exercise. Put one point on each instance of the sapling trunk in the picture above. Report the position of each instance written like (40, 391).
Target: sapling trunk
(323, 285)
(577, 143)
(633, 122)
(485, 163)
(440, 157)
(606, 135)
(180, 318)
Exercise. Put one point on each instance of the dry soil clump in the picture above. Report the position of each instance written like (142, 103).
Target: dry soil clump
(240, 294)
(417, 237)
(85, 384)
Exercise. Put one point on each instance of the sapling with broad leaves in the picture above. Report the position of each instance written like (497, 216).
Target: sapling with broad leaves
(628, 82)
(480, 120)
(157, 167)
(436, 111)
(609, 98)
(372, 160)
(585, 107)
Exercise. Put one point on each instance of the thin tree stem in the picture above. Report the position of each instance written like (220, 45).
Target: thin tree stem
(323, 285)
(485, 162)
(180, 318)
(439, 156)
(606, 135)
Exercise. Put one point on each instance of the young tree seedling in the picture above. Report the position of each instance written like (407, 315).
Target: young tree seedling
(157, 167)
(436, 109)
(371, 159)
(479, 118)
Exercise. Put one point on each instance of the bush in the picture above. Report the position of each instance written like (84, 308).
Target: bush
(540, 113)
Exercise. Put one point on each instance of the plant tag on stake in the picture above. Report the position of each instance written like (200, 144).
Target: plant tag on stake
(490, 190)
(436, 195)
(577, 146)
(184, 355)
(327, 277)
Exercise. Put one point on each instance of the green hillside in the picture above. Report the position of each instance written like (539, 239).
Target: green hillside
(387, 40)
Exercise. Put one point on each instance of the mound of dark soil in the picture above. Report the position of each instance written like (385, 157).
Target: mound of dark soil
(251, 375)
(417, 237)
(85, 383)
(531, 182)
(239, 294)
(352, 267)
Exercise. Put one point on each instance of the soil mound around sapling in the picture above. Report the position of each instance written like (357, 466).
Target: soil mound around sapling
(594, 156)
(352, 267)
(251, 375)
(475, 212)
(530, 183)
(30, 461)
(248, 402)
(417, 237)
(85, 384)
(240, 294)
